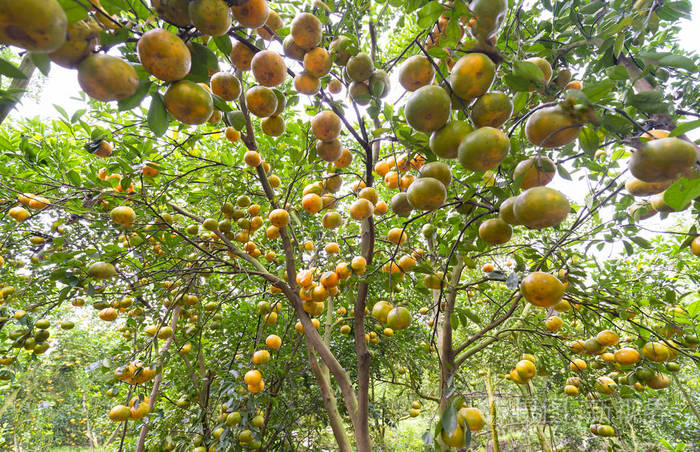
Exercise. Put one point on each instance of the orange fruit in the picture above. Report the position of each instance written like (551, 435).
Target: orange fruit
(607, 338)
(261, 101)
(318, 62)
(344, 160)
(637, 187)
(553, 323)
(292, 50)
(397, 236)
(492, 110)
(428, 108)
(107, 78)
(189, 103)
(241, 56)
(81, 40)
(335, 86)
(306, 31)
(445, 141)
(627, 356)
(326, 126)
(426, 194)
(361, 209)
(173, 11)
(541, 207)
(551, 127)
(252, 13)
(279, 218)
(164, 55)
(542, 289)
(358, 265)
(253, 377)
(226, 86)
(662, 159)
(495, 231)
(210, 17)
(483, 149)
(656, 351)
(329, 279)
(534, 172)
(261, 357)
(417, 71)
(273, 341)
(472, 75)
(578, 365)
(269, 68)
(312, 203)
(544, 66)
(274, 22)
(36, 25)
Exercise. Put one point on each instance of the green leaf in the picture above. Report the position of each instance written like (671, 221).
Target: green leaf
(437, 52)
(516, 83)
(221, 104)
(563, 172)
(528, 71)
(672, 11)
(619, 43)
(157, 115)
(74, 10)
(628, 247)
(454, 320)
(685, 127)
(598, 90)
(429, 13)
(648, 101)
(679, 61)
(236, 119)
(10, 70)
(135, 99)
(449, 419)
(42, 62)
(682, 192)
(519, 101)
(223, 43)
(115, 37)
(617, 73)
(588, 139)
(641, 242)
(73, 177)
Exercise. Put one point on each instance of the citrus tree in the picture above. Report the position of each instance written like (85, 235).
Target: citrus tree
(278, 203)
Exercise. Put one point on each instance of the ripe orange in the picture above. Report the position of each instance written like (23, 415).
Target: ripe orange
(261, 357)
(417, 71)
(252, 13)
(164, 55)
(269, 68)
(312, 203)
(358, 265)
(361, 209)
(542, 289)
(472, 75)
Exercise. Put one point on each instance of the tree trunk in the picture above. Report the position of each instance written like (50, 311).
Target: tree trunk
(492, 410)
(448, 367)
(27, 67)
(330, 403)
(156, 384)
